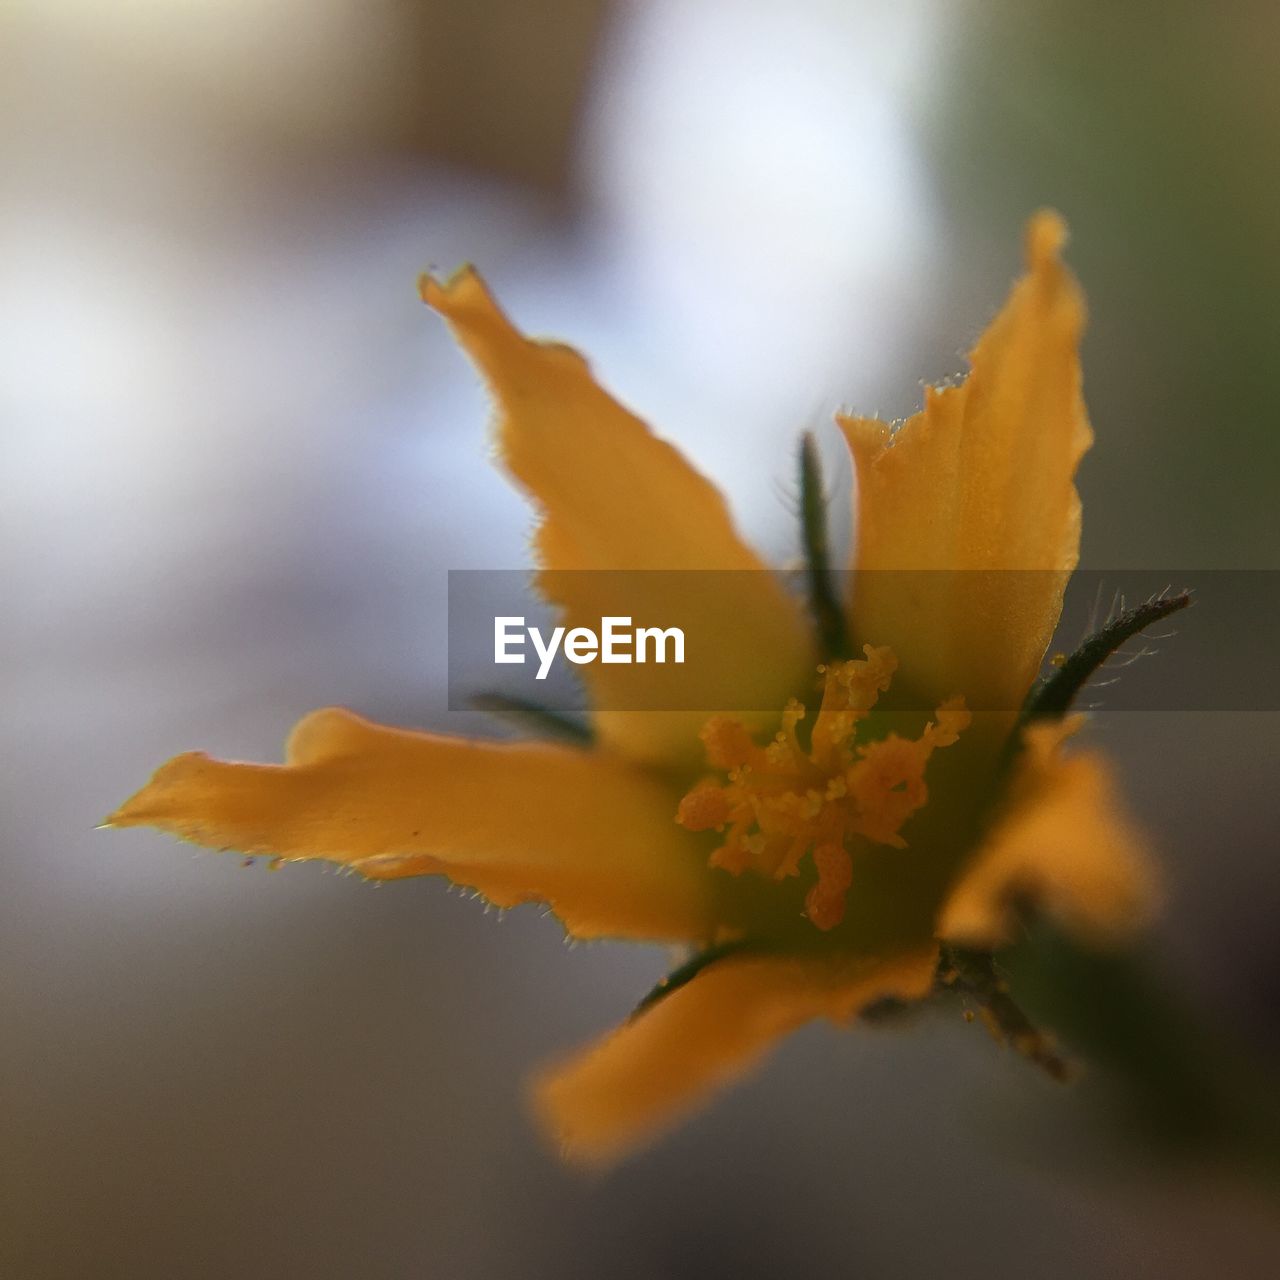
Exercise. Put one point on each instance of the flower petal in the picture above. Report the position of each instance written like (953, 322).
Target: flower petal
(1063, 844)
(980, 479)
(615, 498)
(591, 836)
(644, 1076)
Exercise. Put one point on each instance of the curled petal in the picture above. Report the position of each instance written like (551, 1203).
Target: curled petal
(587, 834)
(615, 498)
(644, 1076)
(1063, 844)
(976, 492)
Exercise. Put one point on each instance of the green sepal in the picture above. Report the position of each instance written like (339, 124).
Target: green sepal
(824, 605)
(1051, 698)
(535, 720)
(685, 973)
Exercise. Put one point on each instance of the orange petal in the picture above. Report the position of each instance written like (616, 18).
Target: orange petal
(616, 498)
(591, 836)
(979, 480)
(1064, 844)
(643, 1077)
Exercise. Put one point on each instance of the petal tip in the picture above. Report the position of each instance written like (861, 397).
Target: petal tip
(442, 296)
(1046, 237)
(130, 814)
(550, 1113)
(149, 805)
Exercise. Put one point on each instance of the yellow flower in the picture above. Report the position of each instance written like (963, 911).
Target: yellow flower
(815, 868)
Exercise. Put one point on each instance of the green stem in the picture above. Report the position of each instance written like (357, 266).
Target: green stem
(974, 974)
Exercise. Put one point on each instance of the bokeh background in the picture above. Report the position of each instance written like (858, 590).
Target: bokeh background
(238, 457)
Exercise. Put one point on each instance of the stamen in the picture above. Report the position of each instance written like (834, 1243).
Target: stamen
(824, 904)
(704, 808)
(781, 801)
(728, 743)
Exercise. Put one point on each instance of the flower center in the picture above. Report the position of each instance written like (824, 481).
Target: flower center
(782, 802)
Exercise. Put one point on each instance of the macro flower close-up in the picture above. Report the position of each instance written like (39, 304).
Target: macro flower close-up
(639, 640)
(815, 858)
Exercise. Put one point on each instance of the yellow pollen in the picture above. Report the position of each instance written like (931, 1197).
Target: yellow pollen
(782, 801)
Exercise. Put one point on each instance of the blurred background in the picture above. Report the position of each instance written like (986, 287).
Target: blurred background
(238, 457)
